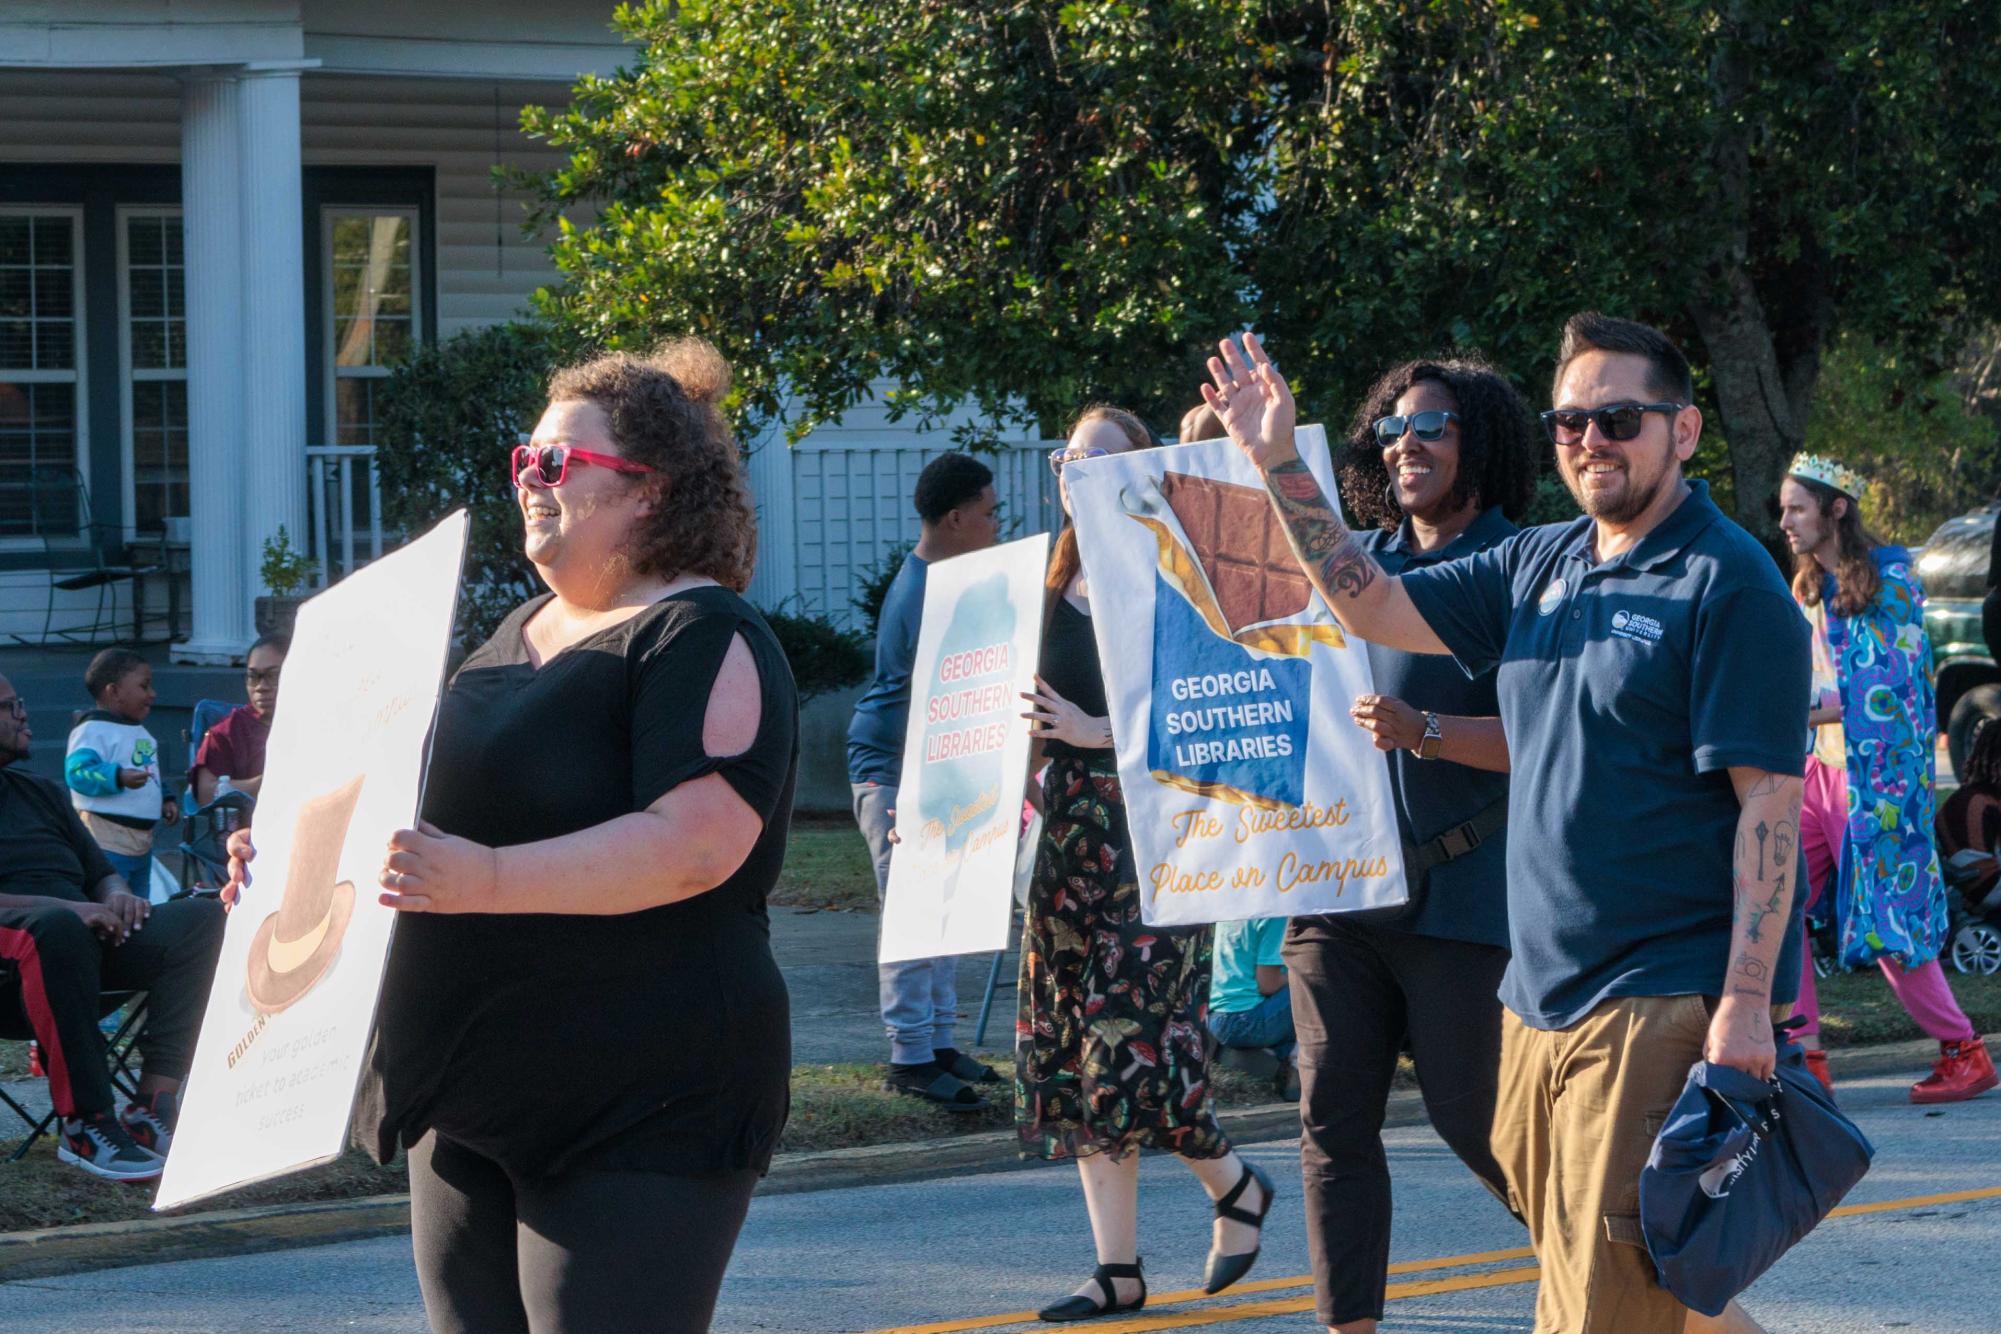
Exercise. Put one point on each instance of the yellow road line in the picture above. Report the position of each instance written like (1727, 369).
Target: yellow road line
(1917, 1202)
(1242, 1289)
(1225, 1315)
(1218, 1315)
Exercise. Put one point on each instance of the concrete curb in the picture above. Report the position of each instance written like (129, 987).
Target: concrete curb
(48, 1252)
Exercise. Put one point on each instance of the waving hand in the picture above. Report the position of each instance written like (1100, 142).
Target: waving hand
(1253, 401)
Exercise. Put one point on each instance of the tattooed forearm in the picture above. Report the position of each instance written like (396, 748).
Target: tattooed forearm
(1326, 549)
(1750, 977)
(1763, 876)
(1753, 913)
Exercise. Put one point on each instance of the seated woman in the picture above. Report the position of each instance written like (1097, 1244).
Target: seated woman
(233, 748)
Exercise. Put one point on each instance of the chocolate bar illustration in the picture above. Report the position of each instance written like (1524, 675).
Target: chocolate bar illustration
(1242, 549)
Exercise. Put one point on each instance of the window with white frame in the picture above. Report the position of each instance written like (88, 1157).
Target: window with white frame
(371, 305)
(155, 340)
(41, 381)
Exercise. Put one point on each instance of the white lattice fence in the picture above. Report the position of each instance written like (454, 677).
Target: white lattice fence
(828, 512)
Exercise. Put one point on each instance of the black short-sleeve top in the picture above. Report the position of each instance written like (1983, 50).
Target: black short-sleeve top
(1070, 667)
(658, 1040)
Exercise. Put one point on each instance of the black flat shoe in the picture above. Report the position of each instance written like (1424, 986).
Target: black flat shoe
(1076, 1307)
(1223, 1270)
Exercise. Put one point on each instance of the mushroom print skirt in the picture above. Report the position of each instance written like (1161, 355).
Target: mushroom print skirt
(1109, 1049)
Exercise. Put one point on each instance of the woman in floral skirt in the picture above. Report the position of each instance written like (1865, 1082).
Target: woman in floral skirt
(1109, 1054)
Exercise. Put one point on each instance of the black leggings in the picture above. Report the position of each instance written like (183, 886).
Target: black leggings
(584, 1252)
(1357, 992)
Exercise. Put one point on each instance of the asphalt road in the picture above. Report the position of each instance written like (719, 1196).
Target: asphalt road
(979, 1251)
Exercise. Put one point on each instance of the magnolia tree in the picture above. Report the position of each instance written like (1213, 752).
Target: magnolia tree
(1025, 206)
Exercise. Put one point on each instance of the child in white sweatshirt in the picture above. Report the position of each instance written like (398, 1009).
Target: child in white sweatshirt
(113, 766)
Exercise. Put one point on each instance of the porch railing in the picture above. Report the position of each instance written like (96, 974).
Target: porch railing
(344, 503)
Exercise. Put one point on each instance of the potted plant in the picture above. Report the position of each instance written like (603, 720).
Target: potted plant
(287, 574)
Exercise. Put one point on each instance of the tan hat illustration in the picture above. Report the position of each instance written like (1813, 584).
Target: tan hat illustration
(295, 946)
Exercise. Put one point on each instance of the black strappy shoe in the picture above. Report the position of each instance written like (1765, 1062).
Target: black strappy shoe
(1223, 1270)
(1079, 1307)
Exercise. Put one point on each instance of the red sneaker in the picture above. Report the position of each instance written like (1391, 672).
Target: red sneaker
(1816, 1064)
(1964, 1070)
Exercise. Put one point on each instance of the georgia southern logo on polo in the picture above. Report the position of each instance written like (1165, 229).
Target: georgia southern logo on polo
(1552, 596)
(1632, 625)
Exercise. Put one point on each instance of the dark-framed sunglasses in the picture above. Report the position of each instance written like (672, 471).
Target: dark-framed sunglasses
(1426, 426)
(15, 706)
(267, 677)
(1616, 421)
(1059, 457)
(549, 465)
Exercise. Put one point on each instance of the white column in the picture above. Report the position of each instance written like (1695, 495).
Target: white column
(273, 319)
(211, 227)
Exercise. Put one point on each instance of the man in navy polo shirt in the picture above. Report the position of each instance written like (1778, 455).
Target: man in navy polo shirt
(1649, 666)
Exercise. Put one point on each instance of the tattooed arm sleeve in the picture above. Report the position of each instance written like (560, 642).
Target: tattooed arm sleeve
(1366, 601)
(1764, 865)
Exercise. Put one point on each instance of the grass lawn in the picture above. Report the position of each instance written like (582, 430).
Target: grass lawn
(1857, 1008)
(826, 866)
(833, 1106)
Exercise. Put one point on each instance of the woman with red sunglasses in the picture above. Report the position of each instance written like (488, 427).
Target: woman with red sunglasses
(585, 1043)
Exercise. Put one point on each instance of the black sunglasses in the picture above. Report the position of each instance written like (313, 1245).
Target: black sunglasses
(1616, 421)
(1425, 426)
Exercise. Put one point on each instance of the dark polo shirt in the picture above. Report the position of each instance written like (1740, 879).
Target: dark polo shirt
(1628, 688)
(1467, 897)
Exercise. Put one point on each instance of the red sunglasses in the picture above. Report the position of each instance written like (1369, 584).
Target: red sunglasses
(549, 465)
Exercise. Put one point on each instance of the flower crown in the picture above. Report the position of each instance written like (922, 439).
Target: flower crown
(1827, 472)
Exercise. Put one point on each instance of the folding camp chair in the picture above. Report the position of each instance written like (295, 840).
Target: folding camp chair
(52, 505)
(994, 982)
(118, 1050)
(204, 844)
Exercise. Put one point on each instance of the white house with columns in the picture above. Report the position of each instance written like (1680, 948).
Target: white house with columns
(221, 223)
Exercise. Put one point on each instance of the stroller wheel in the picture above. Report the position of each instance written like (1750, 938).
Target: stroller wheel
(1977, 949)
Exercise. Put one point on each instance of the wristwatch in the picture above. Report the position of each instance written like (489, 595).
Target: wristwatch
(1432, 741)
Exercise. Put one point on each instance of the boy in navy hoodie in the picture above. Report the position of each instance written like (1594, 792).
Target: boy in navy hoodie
(113, 766)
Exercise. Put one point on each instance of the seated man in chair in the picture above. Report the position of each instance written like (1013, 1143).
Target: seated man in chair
(70, 930)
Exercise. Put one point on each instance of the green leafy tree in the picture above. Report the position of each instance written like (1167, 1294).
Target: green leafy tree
(446, 421)
(1025, 206)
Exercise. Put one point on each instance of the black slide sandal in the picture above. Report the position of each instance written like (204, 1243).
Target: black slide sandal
(936, 1086)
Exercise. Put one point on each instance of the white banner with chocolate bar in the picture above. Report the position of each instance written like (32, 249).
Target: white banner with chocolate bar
(289, 1014)
(965, 755)
(1249, 790)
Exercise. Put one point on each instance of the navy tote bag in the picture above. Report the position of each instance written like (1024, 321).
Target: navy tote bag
(1742, 1169)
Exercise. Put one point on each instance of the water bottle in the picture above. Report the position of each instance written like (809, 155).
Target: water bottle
(225, 820)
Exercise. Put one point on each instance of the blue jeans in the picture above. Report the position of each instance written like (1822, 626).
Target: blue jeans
(1268, 1024)
(138, 871)
(919, 997)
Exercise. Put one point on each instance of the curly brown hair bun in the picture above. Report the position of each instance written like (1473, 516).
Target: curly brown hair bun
(665, 411)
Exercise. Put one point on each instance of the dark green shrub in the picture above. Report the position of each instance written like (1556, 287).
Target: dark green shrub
(824, 657)
(446, 421)
(875, 582)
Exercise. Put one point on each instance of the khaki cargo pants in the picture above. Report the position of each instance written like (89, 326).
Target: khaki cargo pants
(1574, 1123)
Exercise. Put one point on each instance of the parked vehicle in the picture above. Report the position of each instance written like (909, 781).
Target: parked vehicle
(1953, 567)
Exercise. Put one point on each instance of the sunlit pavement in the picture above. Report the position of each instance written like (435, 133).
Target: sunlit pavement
(980, 1252)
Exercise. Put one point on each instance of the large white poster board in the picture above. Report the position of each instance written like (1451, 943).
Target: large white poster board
(965, 754)
(288, 1019)
(1248, 789)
